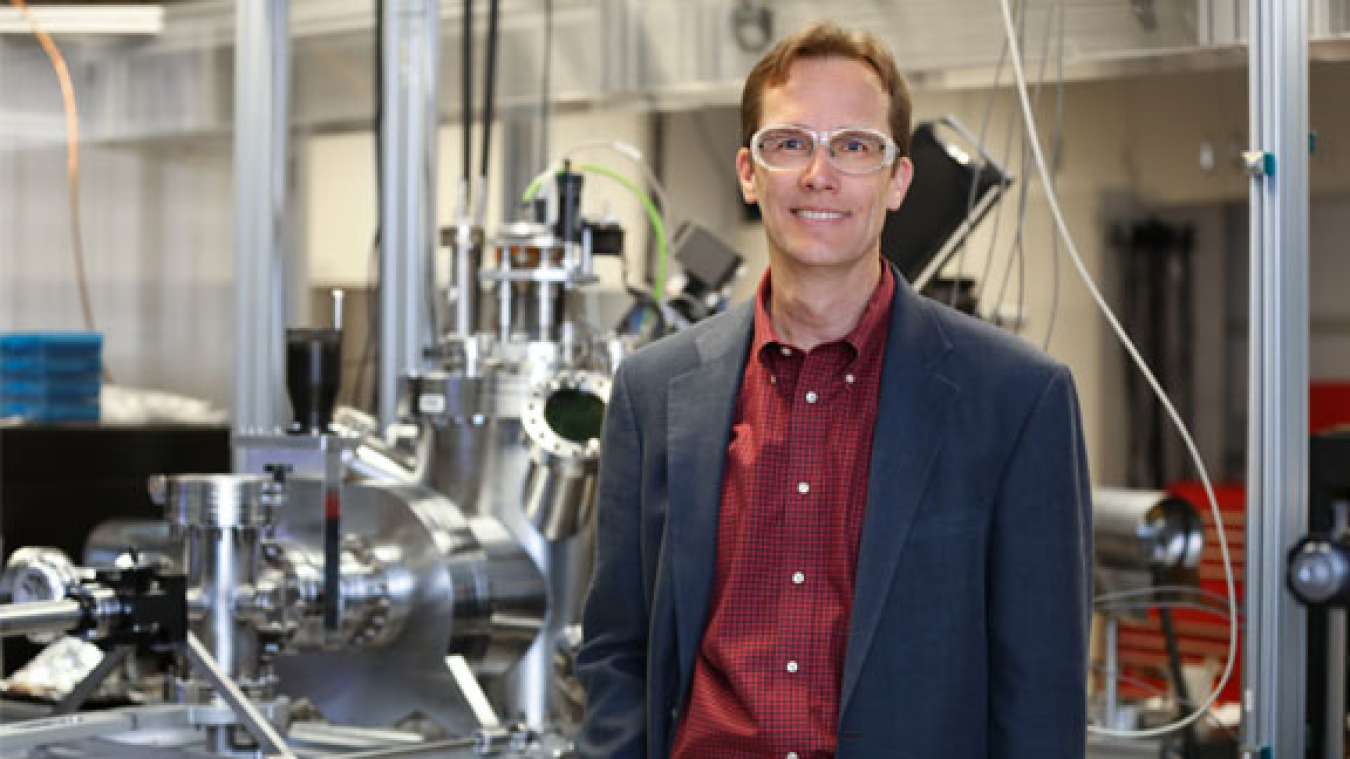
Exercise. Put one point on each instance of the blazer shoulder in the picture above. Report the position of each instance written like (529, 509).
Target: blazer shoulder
(982, 349)
(676, 354)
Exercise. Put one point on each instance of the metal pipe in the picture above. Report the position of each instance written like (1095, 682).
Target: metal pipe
(466, 250)
(262, 71)
(1111, 710)
(38, 617)
(408, 187)
(1275, 664)
(111, 660)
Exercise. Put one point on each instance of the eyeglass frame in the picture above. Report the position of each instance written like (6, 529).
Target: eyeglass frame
(822, 137)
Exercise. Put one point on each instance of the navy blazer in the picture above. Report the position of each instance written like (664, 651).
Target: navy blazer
(968, 633)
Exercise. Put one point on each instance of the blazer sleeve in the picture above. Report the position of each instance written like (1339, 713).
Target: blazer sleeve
(612, 663)
(1040, 565)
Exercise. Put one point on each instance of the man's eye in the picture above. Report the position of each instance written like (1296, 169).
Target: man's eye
(856, 146)
(792, 144)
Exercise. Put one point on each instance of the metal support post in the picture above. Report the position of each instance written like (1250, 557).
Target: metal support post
(253, 720)
(1274, 701)
(261, 83)
(1111, 688)
(408, 181)
(89, 685)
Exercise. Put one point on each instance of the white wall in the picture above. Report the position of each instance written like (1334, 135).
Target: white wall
(158, 259)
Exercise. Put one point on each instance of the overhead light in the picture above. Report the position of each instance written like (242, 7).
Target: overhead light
(85, 19)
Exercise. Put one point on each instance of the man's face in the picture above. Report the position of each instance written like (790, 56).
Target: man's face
(819, 217)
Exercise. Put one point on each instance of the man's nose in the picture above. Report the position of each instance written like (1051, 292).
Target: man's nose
(820, 174)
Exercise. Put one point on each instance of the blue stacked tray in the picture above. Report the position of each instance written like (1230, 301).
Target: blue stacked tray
(51, 376)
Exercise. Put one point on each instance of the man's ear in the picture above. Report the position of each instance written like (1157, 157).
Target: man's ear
(901, 178)
(745, 172)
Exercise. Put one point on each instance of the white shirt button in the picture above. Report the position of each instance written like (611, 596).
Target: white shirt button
(798, 578)
(848, 378)
(792, 666)
(811, 397)
(786, 351)
(773, 380)
(803, 488)
(791, 755)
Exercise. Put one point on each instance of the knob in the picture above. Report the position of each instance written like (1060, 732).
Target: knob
(1319, 572)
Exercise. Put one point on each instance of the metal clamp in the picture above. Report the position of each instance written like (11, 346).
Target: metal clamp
(1258, 163)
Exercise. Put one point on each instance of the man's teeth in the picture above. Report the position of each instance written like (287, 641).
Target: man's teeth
(819, 215)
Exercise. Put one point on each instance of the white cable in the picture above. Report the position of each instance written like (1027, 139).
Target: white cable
(1155, 590)
(1063, 227)
(1218, 611)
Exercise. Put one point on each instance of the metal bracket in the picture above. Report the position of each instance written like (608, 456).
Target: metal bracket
(1258, 163)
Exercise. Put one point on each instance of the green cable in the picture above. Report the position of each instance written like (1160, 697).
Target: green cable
(653, 216)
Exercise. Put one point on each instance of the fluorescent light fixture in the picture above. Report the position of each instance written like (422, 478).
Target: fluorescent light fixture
(85, 19)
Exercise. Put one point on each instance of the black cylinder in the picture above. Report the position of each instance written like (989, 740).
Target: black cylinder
(313, 374)
(569, 206)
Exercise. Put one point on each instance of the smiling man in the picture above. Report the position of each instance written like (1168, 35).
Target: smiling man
(841, 520)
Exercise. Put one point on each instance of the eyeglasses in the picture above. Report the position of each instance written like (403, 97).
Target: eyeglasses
(851, 150)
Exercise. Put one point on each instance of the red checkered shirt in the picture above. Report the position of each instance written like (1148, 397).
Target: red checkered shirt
(766, 683)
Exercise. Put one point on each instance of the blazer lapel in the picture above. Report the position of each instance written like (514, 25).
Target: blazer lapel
(702, 403)
(914, 404)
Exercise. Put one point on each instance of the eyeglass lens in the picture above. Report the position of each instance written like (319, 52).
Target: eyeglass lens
(849, 151)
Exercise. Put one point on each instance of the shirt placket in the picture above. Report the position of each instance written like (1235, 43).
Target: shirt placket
(805, 497)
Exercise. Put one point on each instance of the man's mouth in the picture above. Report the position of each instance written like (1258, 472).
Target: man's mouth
(817, 215)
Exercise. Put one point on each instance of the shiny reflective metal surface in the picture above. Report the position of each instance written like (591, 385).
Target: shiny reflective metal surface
(37, 573)
(449, 585)
(39, 618)
(215, 500)
(1144, 530)
(224, 518)
(562, 420)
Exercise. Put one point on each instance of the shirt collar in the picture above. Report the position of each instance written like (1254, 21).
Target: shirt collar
(870, 330)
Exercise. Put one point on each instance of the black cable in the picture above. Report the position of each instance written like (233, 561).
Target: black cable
(466, 101)
(545, 85)
(489, 88)
(1183, 696)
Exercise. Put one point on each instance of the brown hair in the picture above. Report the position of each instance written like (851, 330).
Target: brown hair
(827, 40)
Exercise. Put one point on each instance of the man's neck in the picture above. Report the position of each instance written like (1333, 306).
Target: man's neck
(820, 306)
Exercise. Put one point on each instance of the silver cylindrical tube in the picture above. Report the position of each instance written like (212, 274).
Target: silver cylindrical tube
(223, 517)
(546, 319)
(1142, 530)
(466, 248)
(39, 617)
